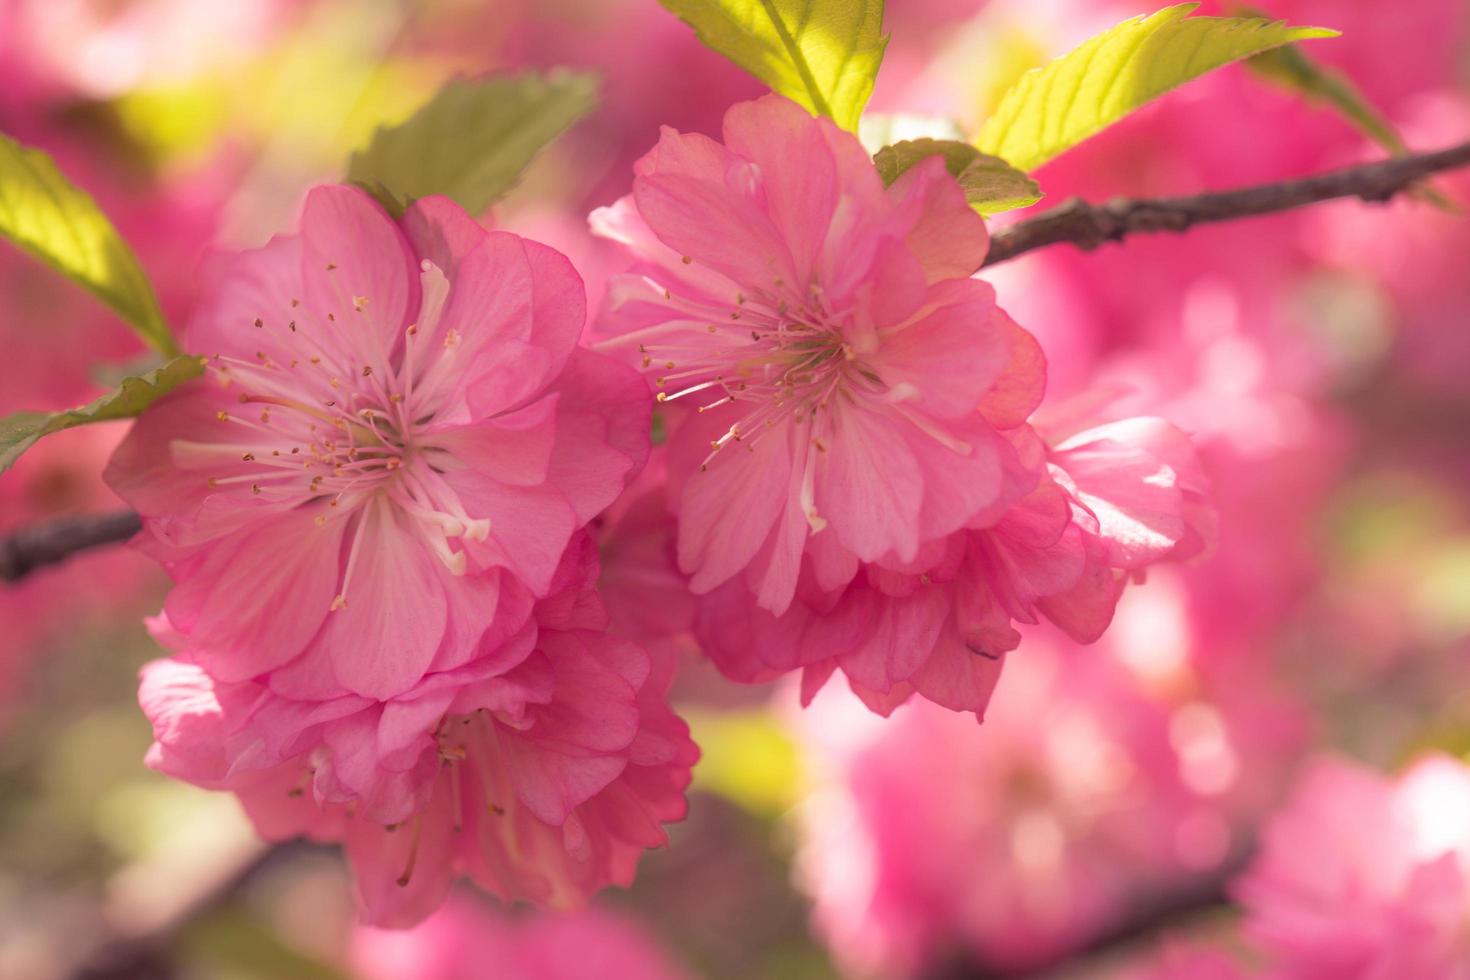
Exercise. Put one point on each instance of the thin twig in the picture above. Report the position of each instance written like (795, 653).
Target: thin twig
(56, 540)
(1154, 917)
(1089, 225)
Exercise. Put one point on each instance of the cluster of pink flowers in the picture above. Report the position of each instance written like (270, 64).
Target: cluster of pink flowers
(1358, 876)
(859, 478)
(385, 623)
(1363, 876)
(1103, 776)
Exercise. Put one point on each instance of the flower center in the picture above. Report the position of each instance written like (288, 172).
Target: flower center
(780, 363)
(337, 421)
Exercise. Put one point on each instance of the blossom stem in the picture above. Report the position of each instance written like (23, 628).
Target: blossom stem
(53, 541)
(1089, 225)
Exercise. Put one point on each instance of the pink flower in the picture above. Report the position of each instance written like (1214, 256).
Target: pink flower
(464, 941)
(824, 334)
(395, 442)
(543, 782)
(1105, 502)
(1095, 784)
(646, 595)
(1360, 876)
(857, 485)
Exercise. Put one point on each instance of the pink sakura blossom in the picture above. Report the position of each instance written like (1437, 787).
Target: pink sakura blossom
(1103, 775)
(822, 332)
(1105, 503)
(542, 773)
(395, 441)
(466, 941)
(856, 484)
(646, 596)
(1361, 876)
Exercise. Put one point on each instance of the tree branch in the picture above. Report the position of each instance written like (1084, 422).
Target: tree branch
(1089, 225)
(54, 541)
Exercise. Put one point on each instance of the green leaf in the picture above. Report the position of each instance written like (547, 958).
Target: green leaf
(60, 224)
(1053, 108)
(991, 185)
(823, 54)
(20, 431)
(473, 139)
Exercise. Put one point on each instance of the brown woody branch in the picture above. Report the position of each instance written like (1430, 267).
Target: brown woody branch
(56, 540)
(1089, 225)
(1076, 221)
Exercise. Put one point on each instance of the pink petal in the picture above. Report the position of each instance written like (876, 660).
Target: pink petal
(395, 598)
(515, 446)
(369, 259)
(259, 283)
(256, 601)
(1134, 494)
(709, 204)
(952, 355)
(947, 235)
(868, 485)
(602, 431)
(899, 642)
(529, 526)
(403, 874)
(796, 170)
(442, 232)
(1018, 391)
(726, 512)
(958, 677)
(188, 723)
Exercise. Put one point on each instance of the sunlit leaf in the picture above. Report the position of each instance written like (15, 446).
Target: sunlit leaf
(473, 139)
(823, 54)
(747, 758)
(20, 431)
(991, 185)
(60, 224)
(1055, 107)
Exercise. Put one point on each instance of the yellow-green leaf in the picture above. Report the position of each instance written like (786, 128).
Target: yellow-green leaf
(823, 54)
(20, 431)
(991, 185)
(60, 224)
(473, 139)
(1055, 107)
